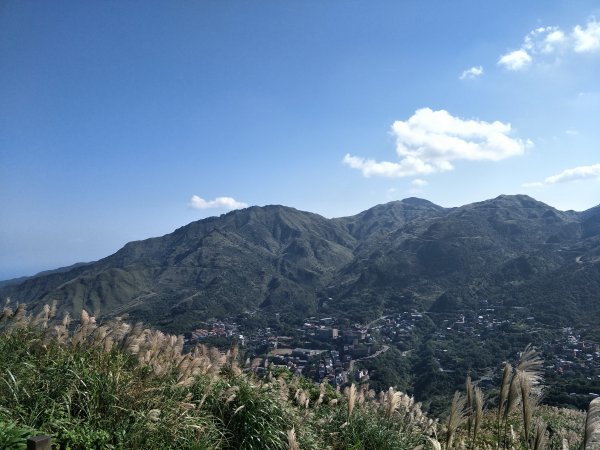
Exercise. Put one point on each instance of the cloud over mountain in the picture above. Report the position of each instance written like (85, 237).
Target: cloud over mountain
(417, 185)
(567, 175)
(430, 140)
(197, 202)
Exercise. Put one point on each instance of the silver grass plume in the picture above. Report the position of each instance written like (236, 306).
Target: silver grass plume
(435, 444)
(531, 365)
(456, 417)
(292, 442)
(87, 324)
(41, 318)
(321, 393)
(540, 440)
(154, 415)
(513, 435)
(469, 403)
(591, 439)
(529, 402)
(504, 388)
(53, 307)
(514, 394)
(351, 399)
(85, 317)
(478, 396)
(6, 314)
(393, 400)
(360, 396)
(255, 363)
(19, 318)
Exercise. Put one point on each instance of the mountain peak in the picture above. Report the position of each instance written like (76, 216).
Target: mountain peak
(418, 202)
(519, 201)
(385, 218)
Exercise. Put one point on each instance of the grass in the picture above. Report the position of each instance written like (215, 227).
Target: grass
(117, 386)
(114, 385)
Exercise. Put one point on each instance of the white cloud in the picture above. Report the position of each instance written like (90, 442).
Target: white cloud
(471, 73)
(575, 174)
(515, 60)
(553, 40)
(587, 39)
(533, 184)
(417, 185)
(430, 140)
(405, 168)
(545, 42)
(391, 193)
(219, 202)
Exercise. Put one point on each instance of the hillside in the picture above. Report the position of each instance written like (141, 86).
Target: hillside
(408, 253)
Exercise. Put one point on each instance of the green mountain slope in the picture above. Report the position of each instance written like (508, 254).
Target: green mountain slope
(409, 253)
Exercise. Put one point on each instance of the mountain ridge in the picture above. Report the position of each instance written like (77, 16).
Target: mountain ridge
(279, 259)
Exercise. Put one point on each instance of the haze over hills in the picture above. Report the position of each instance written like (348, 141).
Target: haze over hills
(404, 254)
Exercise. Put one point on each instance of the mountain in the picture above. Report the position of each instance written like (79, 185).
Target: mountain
(19, 280)
(257, 257)
(409, 253)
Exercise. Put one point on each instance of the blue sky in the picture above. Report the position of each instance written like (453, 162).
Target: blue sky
(125, 120)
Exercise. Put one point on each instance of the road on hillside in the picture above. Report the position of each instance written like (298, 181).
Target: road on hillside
(384, 348)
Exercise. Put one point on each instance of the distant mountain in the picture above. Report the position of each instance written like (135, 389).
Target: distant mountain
(19, 280)
(409, 253)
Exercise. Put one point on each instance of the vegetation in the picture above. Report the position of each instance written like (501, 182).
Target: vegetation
(113, 385)
(401, 255)
(535, 267)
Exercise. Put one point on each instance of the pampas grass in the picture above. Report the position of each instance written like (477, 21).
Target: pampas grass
(540, 440)
(470, 403)
(591, 439)
(103, 385)
(456, 417)
(113, 385)
(351, 396)
(478, 394)
(292, 443)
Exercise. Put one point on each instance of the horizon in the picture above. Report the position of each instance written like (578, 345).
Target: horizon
(121, 122)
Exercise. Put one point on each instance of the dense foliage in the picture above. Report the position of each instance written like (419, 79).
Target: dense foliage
(117, 386)
(112, 385)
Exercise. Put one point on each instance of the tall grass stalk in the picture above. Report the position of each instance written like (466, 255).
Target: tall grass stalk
(503, 398)
(456, 417)
(478, 394)
(540, 440)
(591, 439)
(470, 398)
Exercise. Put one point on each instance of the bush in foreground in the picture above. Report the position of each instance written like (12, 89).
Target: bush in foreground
(114, 385)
